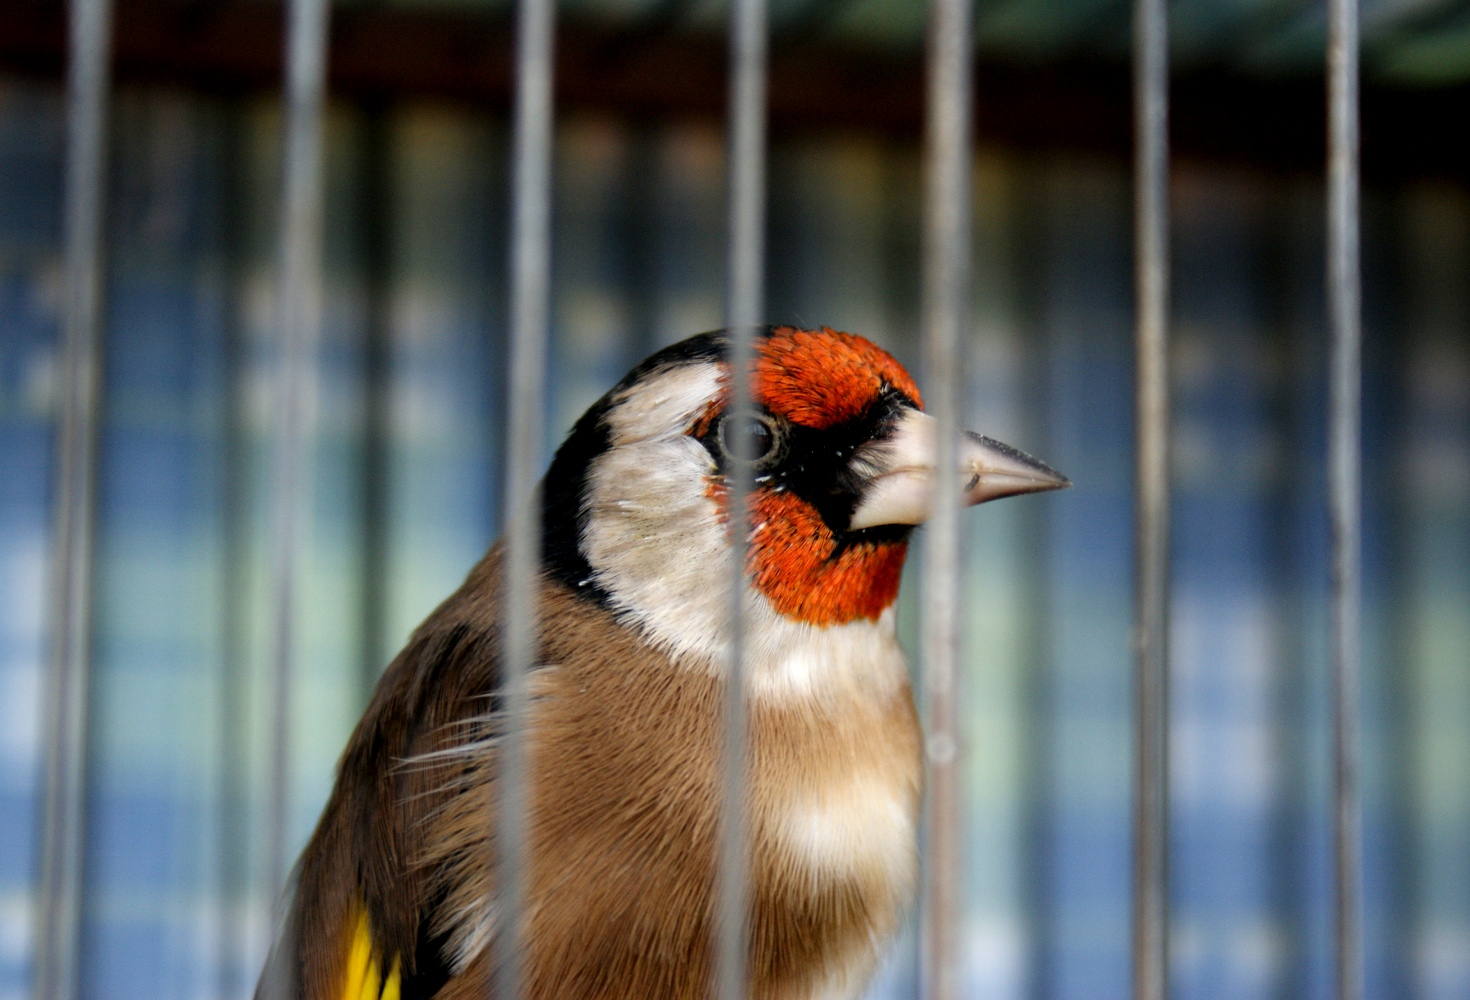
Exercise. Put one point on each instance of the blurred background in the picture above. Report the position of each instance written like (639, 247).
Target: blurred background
(406, 438)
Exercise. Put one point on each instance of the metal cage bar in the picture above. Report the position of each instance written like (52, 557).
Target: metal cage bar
(63, 831)
(1344, 306)
(377, 236)
(232, 833)
(294, 378)
(947, 225)
(744, 305)
(1150, 943)
(530, 298)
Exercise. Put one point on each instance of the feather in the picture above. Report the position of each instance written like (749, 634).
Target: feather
(362, 978)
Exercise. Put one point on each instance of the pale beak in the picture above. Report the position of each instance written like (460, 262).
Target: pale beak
(899, 469)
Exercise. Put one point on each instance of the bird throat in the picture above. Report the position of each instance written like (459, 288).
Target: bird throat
(809, 574)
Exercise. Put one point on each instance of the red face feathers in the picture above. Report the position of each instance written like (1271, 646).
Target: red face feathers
(822, 378)
(822, 395)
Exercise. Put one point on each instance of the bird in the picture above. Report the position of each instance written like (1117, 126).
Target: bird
(394, 896)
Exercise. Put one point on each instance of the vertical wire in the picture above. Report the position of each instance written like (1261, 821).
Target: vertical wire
(63, 833)
(294, 377)
(946, 290)
(234, 531)
(530, 294)
(1151, 625)
(1345, 477)
(744, 306)
(376, 211)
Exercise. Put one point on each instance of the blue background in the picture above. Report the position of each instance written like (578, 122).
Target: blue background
(174, 903)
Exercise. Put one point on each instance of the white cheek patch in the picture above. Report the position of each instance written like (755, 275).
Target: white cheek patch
(656, 544)
(652, 535)
(663, 406)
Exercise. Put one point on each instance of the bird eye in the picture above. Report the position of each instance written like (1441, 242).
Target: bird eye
(759, 437)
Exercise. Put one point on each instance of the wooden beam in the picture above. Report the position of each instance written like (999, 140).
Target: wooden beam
(234, 47)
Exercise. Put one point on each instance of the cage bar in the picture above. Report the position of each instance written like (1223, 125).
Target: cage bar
(375, 203)
(68, 668)
(294, 382)
(232, 828)
(1150, 944)
(530, 293)
(947, 226)
(744, 305)
(1344, 293)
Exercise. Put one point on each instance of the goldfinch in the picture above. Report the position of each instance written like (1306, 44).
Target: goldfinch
(394, 898)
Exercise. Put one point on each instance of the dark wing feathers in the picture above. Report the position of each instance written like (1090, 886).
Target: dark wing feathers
(362, 853)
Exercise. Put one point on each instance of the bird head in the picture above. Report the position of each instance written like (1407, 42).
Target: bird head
(842, 461)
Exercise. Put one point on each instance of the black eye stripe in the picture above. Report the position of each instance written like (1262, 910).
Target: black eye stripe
(816, 464)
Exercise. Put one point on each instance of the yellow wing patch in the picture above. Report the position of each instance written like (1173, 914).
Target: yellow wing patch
(364, 978)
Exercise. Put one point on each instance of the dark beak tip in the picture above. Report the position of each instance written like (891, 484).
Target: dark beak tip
(1048, 479)
(1053, 479)
(1051, 484)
